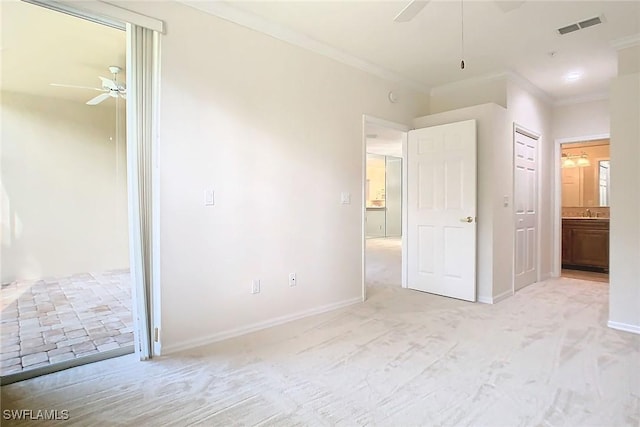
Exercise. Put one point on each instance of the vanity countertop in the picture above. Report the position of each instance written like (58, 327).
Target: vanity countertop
(586, 218)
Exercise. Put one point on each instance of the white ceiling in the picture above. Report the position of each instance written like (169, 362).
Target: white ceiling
(427, 50)
(40, 46)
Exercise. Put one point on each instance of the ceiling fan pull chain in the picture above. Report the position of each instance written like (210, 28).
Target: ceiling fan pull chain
(462, 34)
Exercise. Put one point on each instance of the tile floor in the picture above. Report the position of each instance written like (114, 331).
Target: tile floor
(53, 320)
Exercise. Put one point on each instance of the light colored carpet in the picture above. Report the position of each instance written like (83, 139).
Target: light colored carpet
(384, 262)
(543, 357)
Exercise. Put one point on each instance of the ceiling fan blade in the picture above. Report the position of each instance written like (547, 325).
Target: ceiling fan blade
(98, 99)
(410, 10)
(109, 83)
(76, 86)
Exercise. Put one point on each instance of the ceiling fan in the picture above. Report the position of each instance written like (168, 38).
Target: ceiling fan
(111, 88)
(414, 7)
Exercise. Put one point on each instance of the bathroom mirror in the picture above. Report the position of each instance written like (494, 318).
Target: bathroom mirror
(585, 174)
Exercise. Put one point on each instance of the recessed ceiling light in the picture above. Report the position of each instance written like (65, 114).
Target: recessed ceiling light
(573, 76)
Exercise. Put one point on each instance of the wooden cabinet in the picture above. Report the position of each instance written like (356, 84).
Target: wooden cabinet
(585, 244)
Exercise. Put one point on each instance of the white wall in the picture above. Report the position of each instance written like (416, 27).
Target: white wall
(583, 119)
(493, 232)
(624, 300)
(64, 208)
(276, 131)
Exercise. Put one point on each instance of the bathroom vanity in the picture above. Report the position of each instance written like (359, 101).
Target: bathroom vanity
(585, 244)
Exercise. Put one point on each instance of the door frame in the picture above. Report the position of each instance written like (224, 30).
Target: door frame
(372, 120)
(518, 128)
(556, 269)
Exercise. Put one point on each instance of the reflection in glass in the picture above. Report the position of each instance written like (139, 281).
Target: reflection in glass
(603, 181)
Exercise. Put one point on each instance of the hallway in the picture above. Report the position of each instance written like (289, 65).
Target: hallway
(384, 262)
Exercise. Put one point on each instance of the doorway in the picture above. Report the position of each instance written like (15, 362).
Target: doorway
(383, 194)
(70, 244)
(583, 217)
(66, 292)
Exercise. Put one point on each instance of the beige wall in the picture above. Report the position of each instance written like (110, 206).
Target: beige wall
(276, 131)
(624, 302)
(580, 120)
(64, 207)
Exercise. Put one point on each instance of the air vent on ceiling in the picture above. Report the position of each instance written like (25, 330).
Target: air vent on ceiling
(590, 22)
(568, 29)
(581, 25)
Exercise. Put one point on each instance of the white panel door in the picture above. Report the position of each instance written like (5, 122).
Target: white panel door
(526, 195)
(441, 210)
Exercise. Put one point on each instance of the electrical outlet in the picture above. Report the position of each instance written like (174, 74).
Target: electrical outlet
(255, 286)
(292, 279)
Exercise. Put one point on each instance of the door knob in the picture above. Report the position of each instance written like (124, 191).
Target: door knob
(467, 219)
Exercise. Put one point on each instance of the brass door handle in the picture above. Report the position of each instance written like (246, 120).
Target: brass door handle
(467, 219)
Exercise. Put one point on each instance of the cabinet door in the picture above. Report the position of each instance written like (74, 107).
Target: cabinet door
(590, 247)
(566, 245)
(375, 223)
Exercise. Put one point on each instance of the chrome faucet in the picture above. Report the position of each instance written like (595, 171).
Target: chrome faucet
(587, 213)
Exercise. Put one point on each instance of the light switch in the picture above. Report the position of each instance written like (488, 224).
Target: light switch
(345, 198)
(208, 197)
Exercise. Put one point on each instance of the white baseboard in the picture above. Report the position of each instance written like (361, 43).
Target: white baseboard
(634, 329)
(496, 299)
(236, 332)
(502, 296)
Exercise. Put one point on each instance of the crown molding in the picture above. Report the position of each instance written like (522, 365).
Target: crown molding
(508, 76)
(255, 22)
(533, 89)
(467, 83)
(625, 42)
(590, 97)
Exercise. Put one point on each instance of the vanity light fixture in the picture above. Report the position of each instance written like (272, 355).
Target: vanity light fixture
(568, 162)
(583, 160)
(575, 160)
